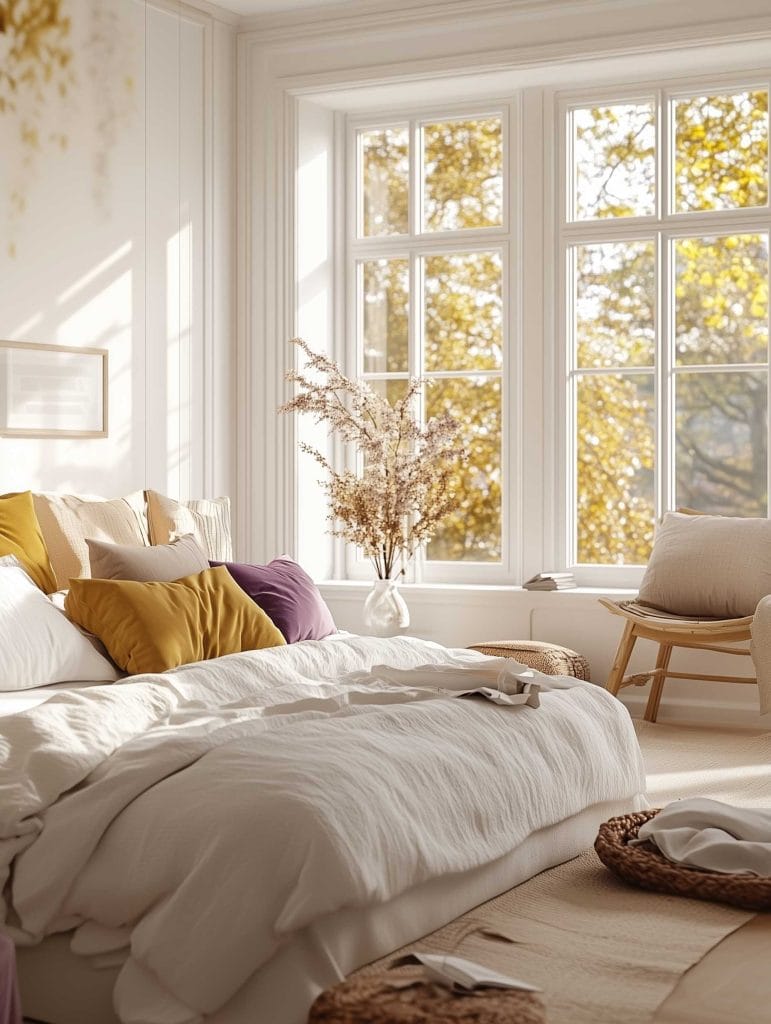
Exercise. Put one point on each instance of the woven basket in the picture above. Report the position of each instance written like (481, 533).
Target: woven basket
(372, 999)
(551, 659)
(646, 867)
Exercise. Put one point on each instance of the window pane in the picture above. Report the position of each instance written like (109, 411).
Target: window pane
(721, 151)
(386, 285)
(721, 299)
(722, 442)
(462, 174)
(615, 456)
(464, 311)
(385, 168)
(473, 533)
(615, 303)
(614, 155)
(393, 390)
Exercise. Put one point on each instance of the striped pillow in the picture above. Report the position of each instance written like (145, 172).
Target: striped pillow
(208, 519)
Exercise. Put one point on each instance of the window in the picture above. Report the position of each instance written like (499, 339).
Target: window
(428, 264)
(664, 239)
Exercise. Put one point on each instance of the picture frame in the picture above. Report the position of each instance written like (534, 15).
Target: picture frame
(52, 390)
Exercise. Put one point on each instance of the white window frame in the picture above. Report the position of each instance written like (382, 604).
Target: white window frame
(415, 246)
(664, 228)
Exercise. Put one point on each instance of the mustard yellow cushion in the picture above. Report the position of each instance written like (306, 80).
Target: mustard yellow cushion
(151, 627)
(20, 535)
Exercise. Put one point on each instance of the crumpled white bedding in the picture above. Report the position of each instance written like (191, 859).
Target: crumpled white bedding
(204, 816)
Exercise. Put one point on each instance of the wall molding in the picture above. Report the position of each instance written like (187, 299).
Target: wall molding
(213, 11)
(369, 16)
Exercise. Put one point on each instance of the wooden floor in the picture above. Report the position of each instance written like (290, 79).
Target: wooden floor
(733, 765)
(732, 984)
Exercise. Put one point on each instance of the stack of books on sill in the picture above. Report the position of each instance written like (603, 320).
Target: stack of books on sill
(550, 581)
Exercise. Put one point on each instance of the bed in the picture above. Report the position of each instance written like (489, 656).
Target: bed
(223, 841)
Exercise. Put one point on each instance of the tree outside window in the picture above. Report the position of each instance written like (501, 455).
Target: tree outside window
(668, 326)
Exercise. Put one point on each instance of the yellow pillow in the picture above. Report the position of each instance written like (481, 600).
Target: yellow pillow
(151, 627)
(20, 535)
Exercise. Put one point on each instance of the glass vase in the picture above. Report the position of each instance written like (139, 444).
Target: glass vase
(385, 610)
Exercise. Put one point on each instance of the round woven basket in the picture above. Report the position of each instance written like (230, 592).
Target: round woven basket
(646, 867)
(373, 999)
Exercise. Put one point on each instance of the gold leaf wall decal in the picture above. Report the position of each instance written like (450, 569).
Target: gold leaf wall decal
(35, 64)
(59, 59)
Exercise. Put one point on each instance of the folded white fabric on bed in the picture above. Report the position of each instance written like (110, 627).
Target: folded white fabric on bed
(711, 835)
(501, 680)
(219, 809)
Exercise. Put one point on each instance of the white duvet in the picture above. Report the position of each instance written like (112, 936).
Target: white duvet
(200, 818)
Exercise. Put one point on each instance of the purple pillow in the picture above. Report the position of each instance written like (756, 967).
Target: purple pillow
(287, 595)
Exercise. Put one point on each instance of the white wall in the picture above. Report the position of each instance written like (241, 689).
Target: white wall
(125, 243)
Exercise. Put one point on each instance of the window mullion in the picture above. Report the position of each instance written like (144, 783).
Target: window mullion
(416, 301)
(568, 268)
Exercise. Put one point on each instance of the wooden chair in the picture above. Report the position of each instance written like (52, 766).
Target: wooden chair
(670, 631)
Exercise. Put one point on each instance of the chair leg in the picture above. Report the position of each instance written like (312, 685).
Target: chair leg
(623, 654)
(657, 686)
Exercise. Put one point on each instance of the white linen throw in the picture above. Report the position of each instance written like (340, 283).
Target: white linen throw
(500, 680)
(711, 835)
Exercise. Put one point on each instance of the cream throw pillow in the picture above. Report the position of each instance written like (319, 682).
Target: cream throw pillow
(711, 566)
(161, 564)
(66, 520)
(207, 519)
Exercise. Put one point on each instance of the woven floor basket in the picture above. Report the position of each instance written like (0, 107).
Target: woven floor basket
(646, 867)
(372, 999)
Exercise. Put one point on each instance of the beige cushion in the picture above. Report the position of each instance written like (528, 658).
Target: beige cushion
(161, 564)
(715, 566)
(67, 519)
(207, 519)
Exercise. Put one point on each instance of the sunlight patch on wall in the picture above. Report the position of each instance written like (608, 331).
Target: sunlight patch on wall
(74, 289)
(179, 322)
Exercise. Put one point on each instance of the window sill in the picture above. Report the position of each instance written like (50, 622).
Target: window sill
(469, 592)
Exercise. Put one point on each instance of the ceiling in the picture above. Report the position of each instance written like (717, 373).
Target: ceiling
(246, 7)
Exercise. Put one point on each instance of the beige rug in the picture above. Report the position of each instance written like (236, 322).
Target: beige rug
(603, 952)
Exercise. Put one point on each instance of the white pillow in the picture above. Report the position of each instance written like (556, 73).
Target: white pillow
(38, 642)
(712, 566)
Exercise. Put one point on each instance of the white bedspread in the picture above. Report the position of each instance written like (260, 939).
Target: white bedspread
(204, 816)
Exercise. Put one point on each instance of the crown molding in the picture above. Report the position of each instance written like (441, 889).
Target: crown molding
(373, 15)
(212, 10)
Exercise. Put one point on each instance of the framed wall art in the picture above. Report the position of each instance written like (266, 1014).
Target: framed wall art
(52, 390)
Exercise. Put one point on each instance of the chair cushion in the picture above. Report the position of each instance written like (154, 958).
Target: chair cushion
(716, 566)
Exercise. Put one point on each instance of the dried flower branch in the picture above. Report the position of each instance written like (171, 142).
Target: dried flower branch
(397, 499)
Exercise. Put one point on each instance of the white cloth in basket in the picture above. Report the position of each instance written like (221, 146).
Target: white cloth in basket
(711, 835)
